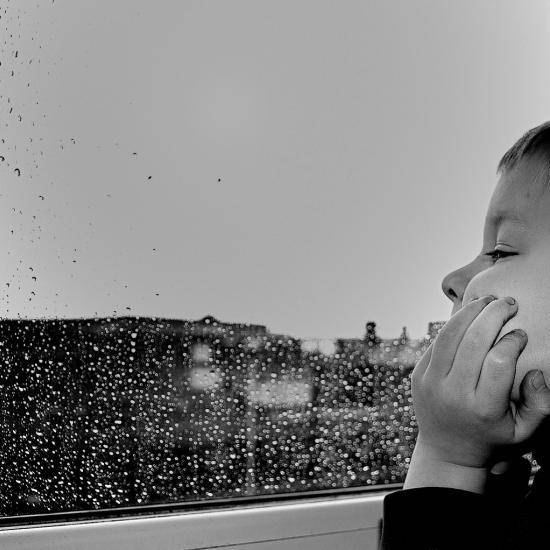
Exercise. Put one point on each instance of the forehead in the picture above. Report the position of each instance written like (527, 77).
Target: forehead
(519, 196)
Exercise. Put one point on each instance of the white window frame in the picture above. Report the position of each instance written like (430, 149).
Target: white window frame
(337, 521)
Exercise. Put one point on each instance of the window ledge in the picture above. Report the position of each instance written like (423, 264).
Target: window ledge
(337, 521)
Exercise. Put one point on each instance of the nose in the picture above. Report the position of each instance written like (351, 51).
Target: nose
(455, 283)
(452, 288)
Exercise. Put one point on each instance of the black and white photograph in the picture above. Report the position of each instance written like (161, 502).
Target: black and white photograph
(274, 275)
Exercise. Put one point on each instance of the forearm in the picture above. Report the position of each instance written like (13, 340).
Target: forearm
(425, 470)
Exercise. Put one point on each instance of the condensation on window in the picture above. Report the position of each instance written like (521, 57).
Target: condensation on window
(131, 411)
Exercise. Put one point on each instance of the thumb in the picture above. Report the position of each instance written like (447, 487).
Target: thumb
(533, 406)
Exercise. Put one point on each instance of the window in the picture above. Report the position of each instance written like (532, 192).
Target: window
(128, 411)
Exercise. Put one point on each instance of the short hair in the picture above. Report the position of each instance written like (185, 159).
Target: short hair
(535, 142)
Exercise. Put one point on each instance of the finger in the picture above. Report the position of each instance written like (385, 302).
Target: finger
(497, 372)
(450, 336)
(534, 404)
(501, 467)
(477, 343)
(422, 365)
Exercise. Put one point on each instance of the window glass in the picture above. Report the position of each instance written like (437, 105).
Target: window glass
(129, 411)
(224, 227)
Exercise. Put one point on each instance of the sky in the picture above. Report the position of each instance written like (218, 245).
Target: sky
(308, 165)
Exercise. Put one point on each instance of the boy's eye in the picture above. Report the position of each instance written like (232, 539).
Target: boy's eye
(498, 254)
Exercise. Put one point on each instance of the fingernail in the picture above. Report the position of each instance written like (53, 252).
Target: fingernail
(510, 300)
(520, 332)
(500, 468)
(538, 380)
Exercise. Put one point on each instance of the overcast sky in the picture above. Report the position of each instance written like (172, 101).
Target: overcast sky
(307, 165)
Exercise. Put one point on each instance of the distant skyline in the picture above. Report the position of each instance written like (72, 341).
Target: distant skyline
(305, 165)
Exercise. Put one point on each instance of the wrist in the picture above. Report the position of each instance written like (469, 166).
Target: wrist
(427, 470)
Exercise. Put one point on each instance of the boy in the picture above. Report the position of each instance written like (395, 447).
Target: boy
(480, 391)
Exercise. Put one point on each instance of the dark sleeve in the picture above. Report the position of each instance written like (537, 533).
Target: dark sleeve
(533, 532)
(439, 518)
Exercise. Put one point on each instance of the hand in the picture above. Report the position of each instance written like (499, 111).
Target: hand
(461, 389)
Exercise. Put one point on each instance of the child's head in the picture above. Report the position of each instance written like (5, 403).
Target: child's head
(522, 236)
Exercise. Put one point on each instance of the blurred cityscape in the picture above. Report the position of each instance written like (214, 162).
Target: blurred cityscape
(103, 413)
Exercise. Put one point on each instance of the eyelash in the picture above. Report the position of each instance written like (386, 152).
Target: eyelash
(494, 253)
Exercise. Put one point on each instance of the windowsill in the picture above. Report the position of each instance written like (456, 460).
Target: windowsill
(340, 520)
(202, 506)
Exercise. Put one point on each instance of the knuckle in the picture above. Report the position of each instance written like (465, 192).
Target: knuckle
(479, 302)
(496, 361)
(443, 339)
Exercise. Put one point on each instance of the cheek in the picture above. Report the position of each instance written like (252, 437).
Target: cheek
(533, 318)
